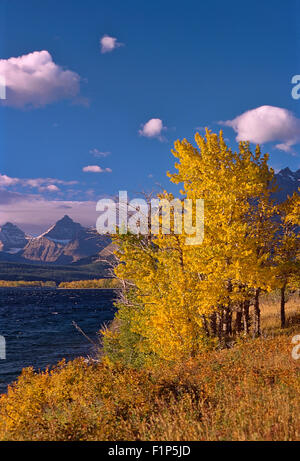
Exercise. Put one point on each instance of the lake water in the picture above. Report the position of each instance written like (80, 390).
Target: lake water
(37, 326)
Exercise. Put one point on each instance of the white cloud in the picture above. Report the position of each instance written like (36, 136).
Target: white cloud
(153, 129)
(52, 188)
(48, 188)
(95, 169)
(98, 153)
(267, 124)
(109, 44)
(36, 183)
(34, 80)
(287, 147)
(7, 181)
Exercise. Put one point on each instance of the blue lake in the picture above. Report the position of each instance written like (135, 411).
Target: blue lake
(37, 326)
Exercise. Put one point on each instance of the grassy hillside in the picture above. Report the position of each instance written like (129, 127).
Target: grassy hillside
(247, 392)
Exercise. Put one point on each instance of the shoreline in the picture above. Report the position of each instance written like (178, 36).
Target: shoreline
(53, 288)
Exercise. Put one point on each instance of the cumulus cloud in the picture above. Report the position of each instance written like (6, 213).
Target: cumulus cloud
(267, 124)
(34, 80)
(95, 169)
(153, 129)
(109, 44)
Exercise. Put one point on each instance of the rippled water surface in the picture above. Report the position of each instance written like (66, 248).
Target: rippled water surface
(37, 326)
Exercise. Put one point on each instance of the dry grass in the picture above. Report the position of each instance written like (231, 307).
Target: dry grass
(270, 306)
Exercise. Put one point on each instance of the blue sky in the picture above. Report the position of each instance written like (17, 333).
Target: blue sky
(187, 64)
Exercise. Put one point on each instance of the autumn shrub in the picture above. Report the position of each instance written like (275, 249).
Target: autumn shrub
(121, 344)
(249, 392)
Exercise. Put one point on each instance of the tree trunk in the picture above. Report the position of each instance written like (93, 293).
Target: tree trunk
(213, 323)
(205, 325)
(257, 331)
(228, 319)
(246, 317)
(238, 319)
(282, 306)
(220, 325)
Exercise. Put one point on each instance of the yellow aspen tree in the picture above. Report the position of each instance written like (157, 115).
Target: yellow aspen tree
(287, 251)
(236, 187)
(184, 294)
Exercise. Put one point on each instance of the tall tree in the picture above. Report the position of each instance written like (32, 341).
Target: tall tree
(185, 295)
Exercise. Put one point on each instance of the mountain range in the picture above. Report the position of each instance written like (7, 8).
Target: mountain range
(288, 182)
(68, 242)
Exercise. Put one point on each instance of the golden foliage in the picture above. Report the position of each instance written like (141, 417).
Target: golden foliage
(96, 283)
(24, 283)
(178, 287)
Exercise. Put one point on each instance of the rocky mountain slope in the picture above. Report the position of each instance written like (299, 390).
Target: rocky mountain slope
(12, 239)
